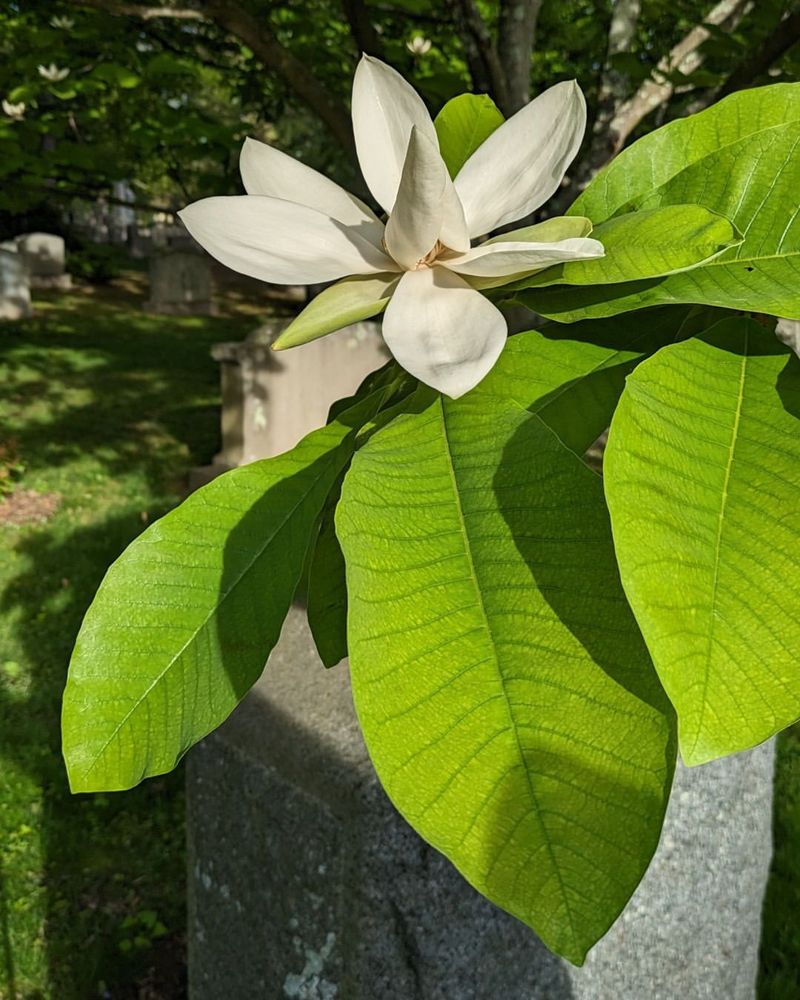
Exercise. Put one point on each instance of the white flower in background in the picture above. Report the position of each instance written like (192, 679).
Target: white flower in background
(52, 73)
(294, 226)
(64, 23)
(15, 111)
(418, 45)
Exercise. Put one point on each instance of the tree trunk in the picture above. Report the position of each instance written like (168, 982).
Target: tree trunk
(515, 40)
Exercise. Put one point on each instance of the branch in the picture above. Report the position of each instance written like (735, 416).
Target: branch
(621, 33)
(121, 9)
(235, 19)
(683, 58)
(516, 34)
(480, 35)
(362, 28)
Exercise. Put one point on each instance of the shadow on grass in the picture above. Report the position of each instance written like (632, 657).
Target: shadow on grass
(109, 862)
(118, 384)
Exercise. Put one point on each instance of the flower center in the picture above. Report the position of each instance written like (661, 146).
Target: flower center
(430, 256)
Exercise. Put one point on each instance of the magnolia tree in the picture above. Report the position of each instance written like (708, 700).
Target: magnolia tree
(530, 644)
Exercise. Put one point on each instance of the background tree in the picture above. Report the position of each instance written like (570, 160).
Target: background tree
(162, 95)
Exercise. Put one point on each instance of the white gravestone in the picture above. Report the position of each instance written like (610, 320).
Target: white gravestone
(45, 257)
(180, 284)
(15, 291)
(271, 399)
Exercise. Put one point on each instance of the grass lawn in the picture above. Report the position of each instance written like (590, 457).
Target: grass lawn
(109, 408)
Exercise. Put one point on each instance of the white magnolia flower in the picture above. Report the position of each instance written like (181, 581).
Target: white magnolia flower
(52, 73)
(418, 45)
(64, 23)
(294, 226)
(15, 111)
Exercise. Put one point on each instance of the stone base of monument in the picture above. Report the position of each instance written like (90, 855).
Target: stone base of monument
(15, 288)
(305, 882)
(270, 400)
(59, 282)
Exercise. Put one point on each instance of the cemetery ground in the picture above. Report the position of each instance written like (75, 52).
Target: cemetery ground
(105, 409)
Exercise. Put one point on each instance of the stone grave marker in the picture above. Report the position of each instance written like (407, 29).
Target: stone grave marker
(15, 290)
(45, 257)
(180, 284)
(271, 399)
(306, 883)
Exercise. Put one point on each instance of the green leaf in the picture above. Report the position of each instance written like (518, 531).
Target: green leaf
(118, 76)
(327, 594)
(560, 227)
(572, 377)
(644, 245)
(702, 476)
(184, 620)
(738, 159)
(462, 125)
(348, 301)
(654, 159)
(504, 691)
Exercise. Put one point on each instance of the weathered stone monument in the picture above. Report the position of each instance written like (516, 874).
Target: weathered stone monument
(305, 883)
(15, 290)
(45, 257)
(180, 284)
(271, 399)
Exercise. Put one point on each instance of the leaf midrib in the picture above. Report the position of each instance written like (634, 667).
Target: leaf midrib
(718, 541)
(535, 807)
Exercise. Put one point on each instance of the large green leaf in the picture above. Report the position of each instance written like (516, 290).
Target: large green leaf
(504, 691)
(572, 384)
(738, 159)
(657, 157)
(702, 475)
(184, 620)
(572, 377)
(644, 244)
(462, 125)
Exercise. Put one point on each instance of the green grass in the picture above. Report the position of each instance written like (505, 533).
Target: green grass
(780, 950)
(109, 408)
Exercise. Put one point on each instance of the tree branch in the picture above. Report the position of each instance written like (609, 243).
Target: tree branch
(683, 58)
(121, 9)
(362, 29)
(516, 34)
(478, 31)
(236, 20)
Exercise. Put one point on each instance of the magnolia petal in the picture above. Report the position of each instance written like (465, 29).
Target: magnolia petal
(271, 172)
(492, 260)
(385, 108)
(523, 162)
(348, 301)
(454, 234)
(442, 331)
(416, 220)
(280, 241)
